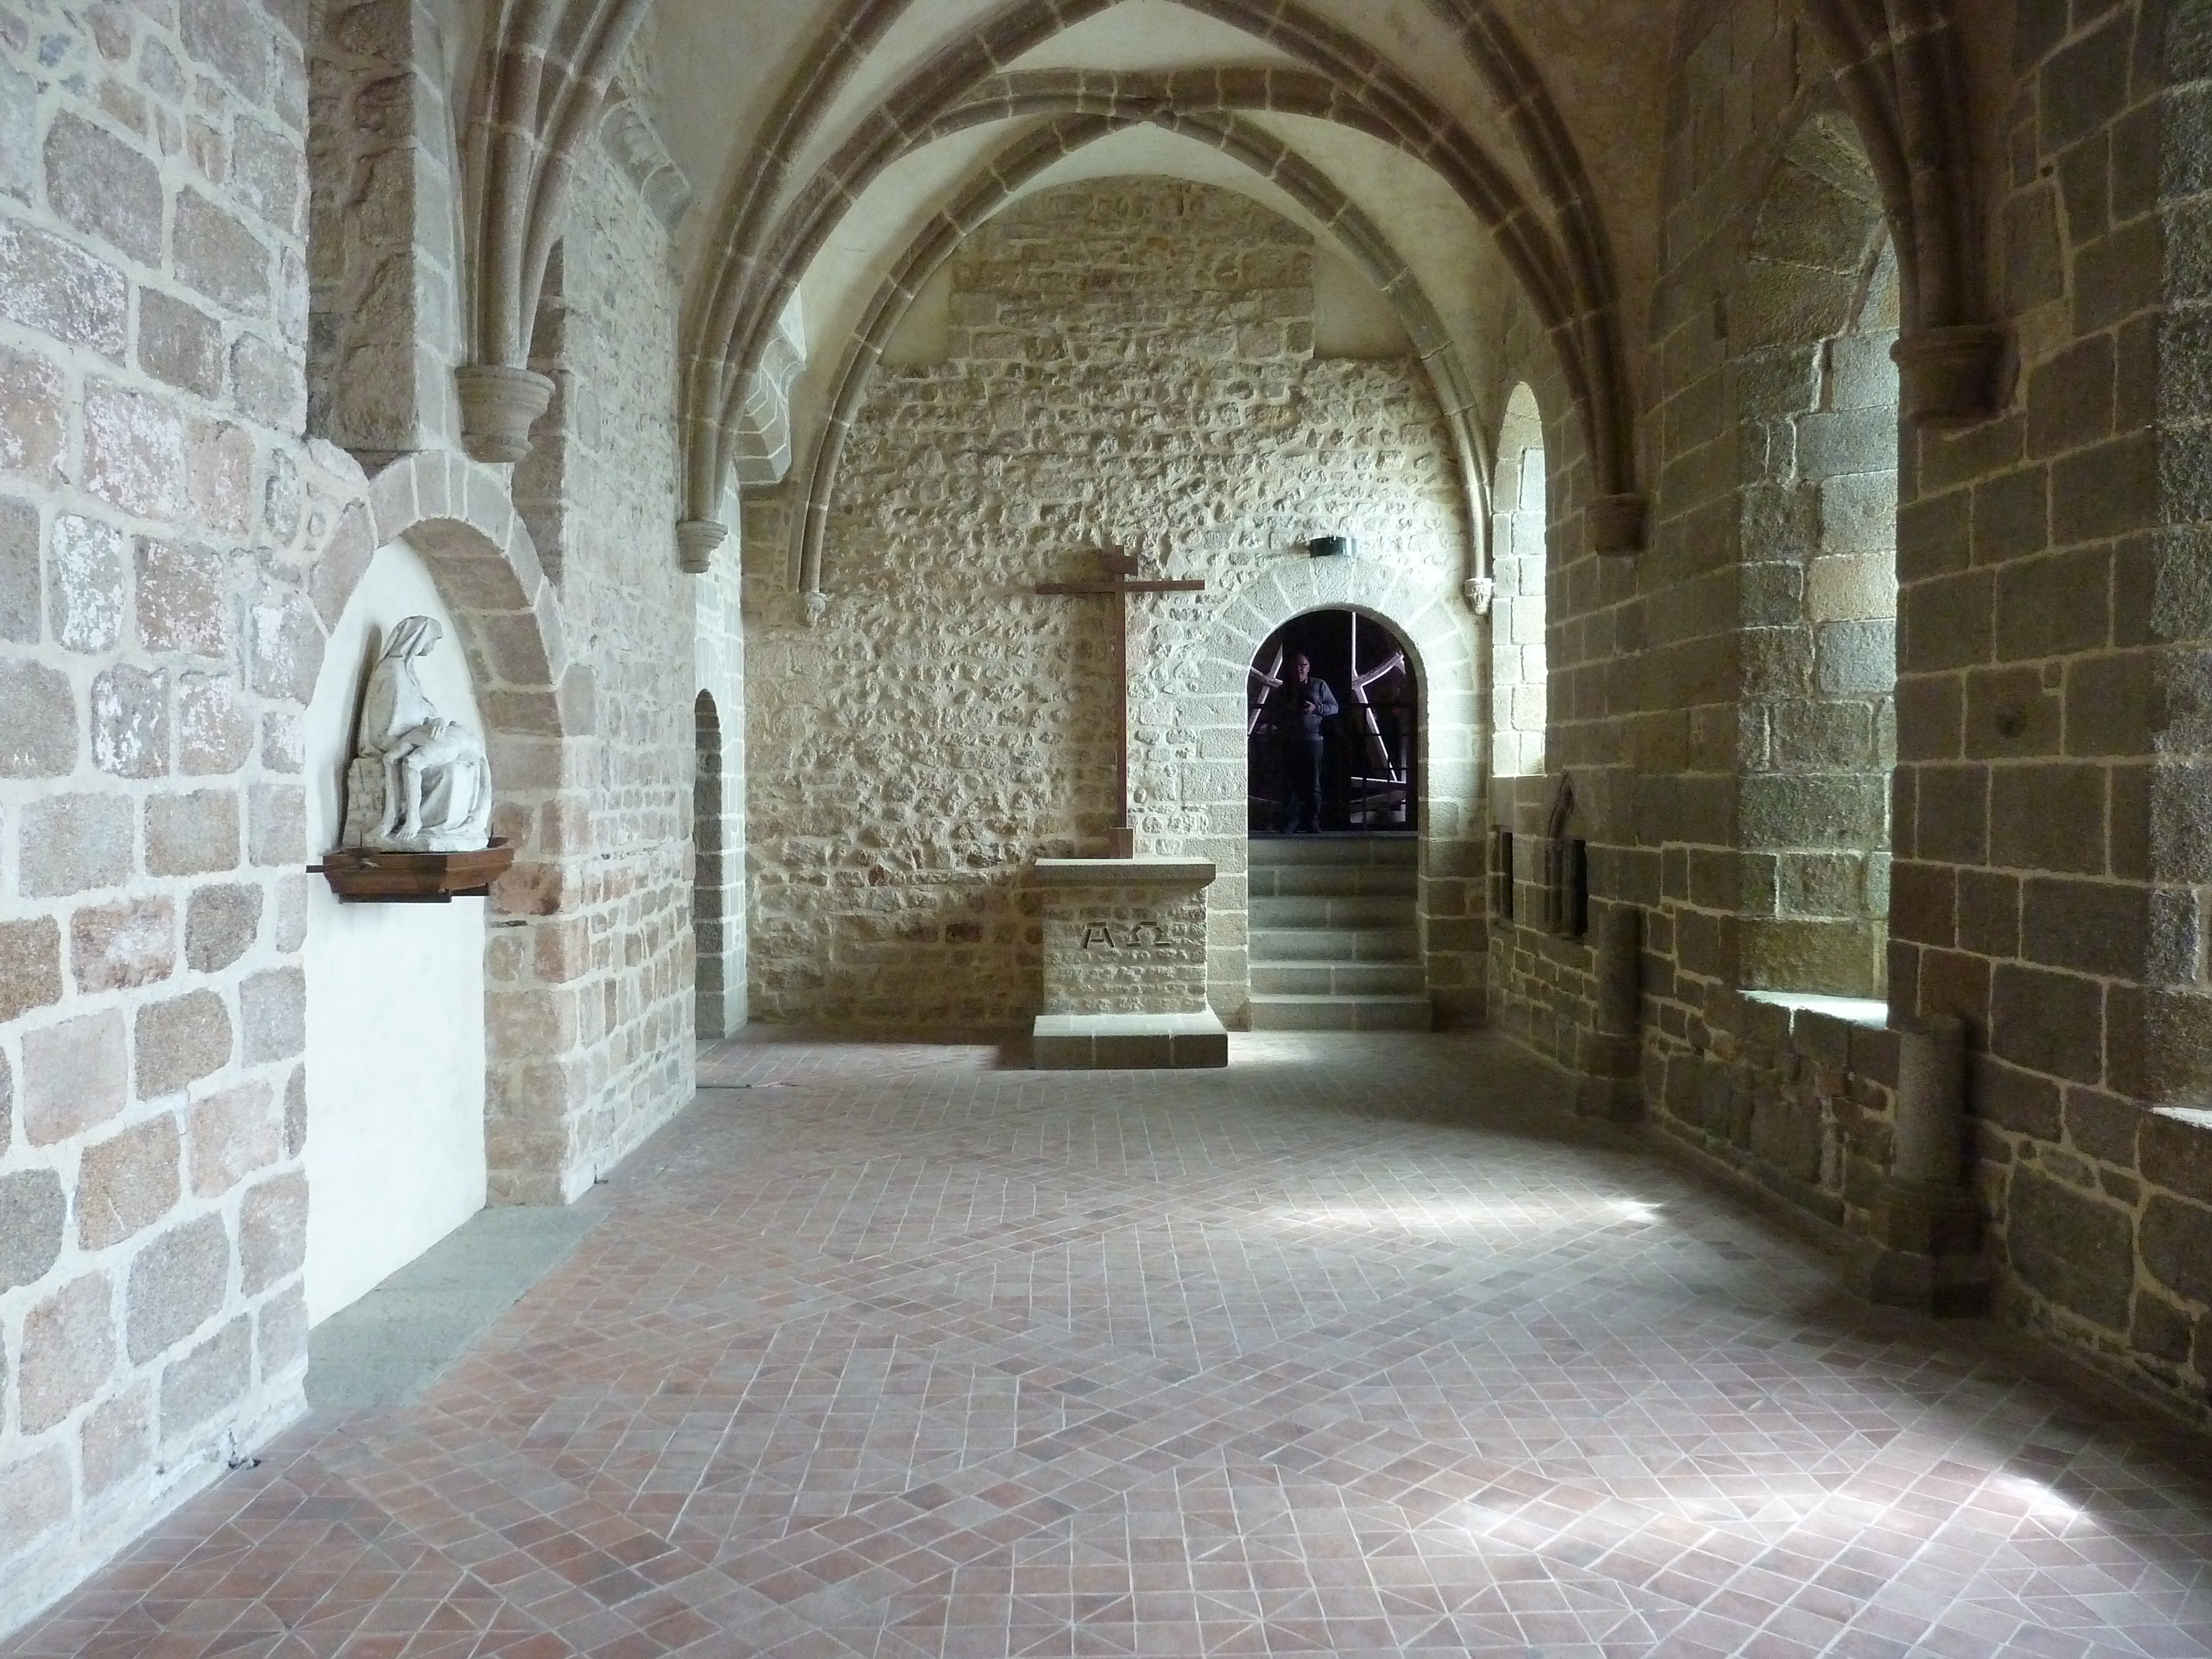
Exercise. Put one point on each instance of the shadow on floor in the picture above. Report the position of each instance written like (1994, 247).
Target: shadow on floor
(391, 1345)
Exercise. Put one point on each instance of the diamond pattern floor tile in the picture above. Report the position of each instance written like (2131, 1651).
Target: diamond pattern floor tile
(1360, 1347)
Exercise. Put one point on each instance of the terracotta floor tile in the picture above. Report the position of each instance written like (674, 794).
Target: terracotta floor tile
(1361, 1347)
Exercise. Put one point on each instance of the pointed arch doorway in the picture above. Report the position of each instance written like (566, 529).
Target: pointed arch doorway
(1333, 739)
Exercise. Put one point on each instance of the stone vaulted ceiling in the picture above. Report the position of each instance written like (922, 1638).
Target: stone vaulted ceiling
(1492, 167)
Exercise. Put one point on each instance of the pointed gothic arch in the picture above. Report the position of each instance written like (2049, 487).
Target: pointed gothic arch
(1557, 245)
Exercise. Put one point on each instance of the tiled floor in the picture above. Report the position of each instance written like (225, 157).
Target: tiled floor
(1356, 1348)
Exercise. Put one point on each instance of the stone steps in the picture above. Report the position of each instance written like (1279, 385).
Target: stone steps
(1335, 943)
(1385, 852)
(1333, 880)
(1337, 979)
(1276, 1013)
(1312, 910)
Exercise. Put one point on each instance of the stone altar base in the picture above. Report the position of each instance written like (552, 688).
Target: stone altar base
(1125, 967)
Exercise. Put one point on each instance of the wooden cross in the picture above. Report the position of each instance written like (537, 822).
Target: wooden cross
(1119, 582)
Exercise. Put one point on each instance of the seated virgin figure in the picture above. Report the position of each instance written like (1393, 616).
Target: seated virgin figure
(419, 782)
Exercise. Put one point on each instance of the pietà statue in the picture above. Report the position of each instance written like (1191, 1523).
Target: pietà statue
(419, 782)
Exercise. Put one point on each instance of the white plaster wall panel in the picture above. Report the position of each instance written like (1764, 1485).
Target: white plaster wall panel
(1352, 317)
(1455, 261)
(720, 65)
(395, 1150)
(1130, 361)
(918, 33)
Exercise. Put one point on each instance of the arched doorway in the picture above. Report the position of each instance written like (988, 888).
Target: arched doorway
(1361, 779)
(397, 1149)
(1333, 728)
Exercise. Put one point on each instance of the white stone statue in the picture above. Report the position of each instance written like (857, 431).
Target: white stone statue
(419, 782)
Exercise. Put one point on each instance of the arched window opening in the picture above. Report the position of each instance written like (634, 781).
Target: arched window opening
(1517, 700)
(710, 893)
(1818, 401)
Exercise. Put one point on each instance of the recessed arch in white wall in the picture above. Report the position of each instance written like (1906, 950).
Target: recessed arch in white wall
(395, 1148)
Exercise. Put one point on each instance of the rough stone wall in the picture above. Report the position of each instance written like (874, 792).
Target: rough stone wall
(1132, 361)
(163, 524)
(627, 615)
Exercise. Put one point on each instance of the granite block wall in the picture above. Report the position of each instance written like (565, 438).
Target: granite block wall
(173, 546)
(2047, 811)
(625, 1002)
(161, 518)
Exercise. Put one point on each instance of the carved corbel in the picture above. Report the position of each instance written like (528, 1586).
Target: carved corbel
(499, 405)
(1617, 523)
(1948, 376)
(697, 540)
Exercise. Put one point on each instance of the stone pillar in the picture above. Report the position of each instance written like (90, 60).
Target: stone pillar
(384, 299)
(1125, 967)
(1607, 1057)
(1926, 1250)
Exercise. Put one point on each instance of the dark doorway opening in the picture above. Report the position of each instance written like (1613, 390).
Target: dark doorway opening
(1365, 780)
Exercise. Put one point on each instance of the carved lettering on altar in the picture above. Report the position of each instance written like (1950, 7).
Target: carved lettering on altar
(1142, 936)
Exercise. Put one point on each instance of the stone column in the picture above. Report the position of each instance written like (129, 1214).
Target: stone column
(1926, 1249)
(383, 291)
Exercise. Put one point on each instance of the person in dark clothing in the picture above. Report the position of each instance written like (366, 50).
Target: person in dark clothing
(1311, 702)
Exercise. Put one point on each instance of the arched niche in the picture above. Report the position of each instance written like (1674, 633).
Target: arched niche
(396, 1145)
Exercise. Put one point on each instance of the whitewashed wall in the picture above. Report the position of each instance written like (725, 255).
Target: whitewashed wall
(395, 1148)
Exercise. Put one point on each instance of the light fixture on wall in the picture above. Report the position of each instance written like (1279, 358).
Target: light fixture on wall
(1332, 547)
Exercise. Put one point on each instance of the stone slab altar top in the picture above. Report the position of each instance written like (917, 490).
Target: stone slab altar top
(1125, 872)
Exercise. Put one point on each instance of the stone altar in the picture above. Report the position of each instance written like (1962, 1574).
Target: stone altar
(1125, 967)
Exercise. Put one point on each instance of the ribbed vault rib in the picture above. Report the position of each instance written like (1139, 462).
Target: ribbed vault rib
(1898, 69)
(547, 69)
